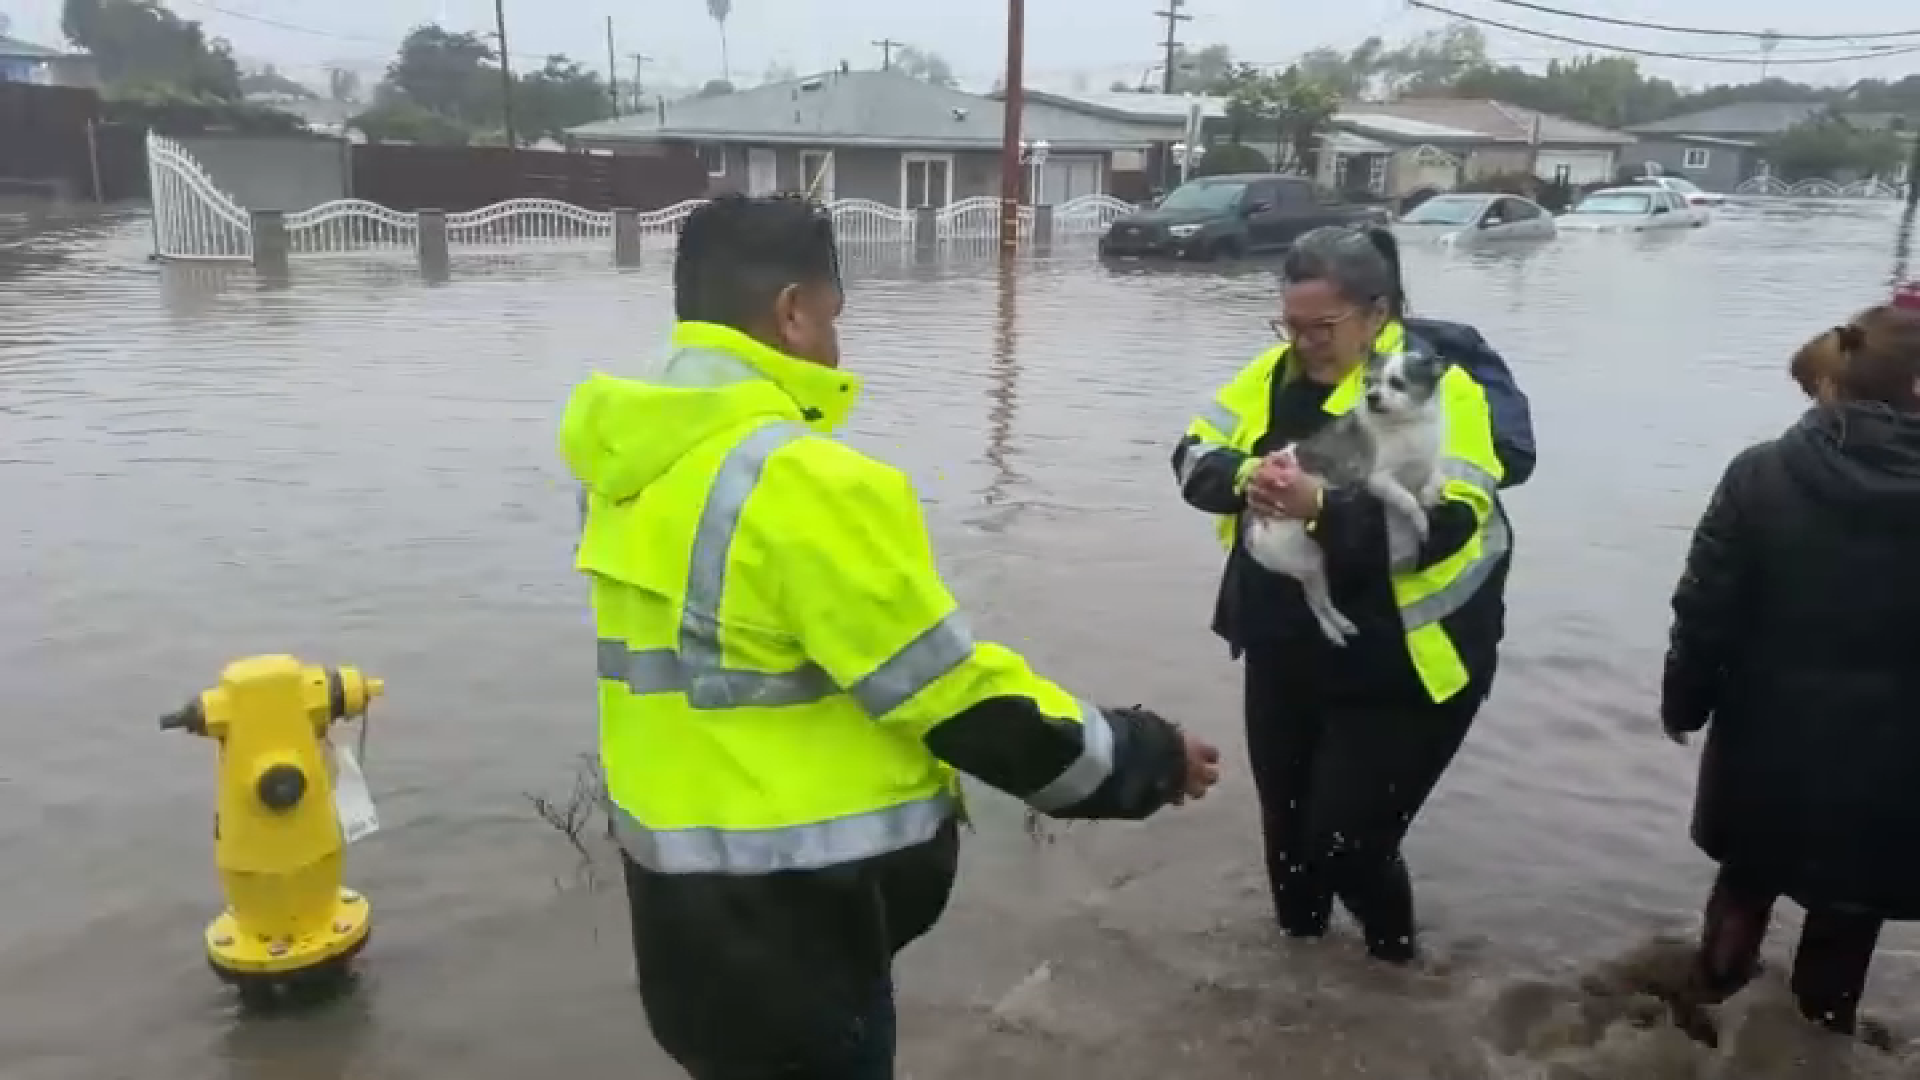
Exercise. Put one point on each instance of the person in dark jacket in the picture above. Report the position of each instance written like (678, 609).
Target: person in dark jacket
(1792, 645)
(1347, 742)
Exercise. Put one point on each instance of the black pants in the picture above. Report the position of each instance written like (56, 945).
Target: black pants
(1829, 967)
(784, 976)
(1339, 787)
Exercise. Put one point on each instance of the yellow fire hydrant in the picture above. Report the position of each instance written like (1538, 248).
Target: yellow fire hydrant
(277, 838)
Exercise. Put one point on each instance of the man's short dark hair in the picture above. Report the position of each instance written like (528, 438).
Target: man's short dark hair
(737, 253)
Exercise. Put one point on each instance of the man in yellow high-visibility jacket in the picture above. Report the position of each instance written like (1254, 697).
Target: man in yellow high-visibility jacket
(786, 686)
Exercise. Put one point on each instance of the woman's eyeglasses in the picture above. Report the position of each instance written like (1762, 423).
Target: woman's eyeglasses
(1291, 329)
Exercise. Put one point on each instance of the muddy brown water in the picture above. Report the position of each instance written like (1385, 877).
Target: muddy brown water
(359, 467)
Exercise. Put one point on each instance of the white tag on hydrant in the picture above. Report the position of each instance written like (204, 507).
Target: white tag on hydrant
(352, 801)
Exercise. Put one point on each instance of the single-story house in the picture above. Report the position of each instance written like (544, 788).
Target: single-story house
(25, 62)
(1166, 116)
(876, 135)
(1721, 148)
(1391, 148)
(1405, 146)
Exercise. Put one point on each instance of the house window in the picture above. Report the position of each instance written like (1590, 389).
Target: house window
(1563, 175)
(1377, 173)
(714, 157)
(926, 180)
(1697, 158)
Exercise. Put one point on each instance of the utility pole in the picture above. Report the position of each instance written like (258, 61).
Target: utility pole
(886, 47)
(613, 70)
(1013, 101)
(1174, 18)
(638, 59)
(1768, 42)
(506, 72)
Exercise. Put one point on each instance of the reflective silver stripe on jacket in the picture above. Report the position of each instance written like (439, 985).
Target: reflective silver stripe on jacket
(1088, 771)
(1496, 539)
(795, 847)
(1224, 421)
(697, 669)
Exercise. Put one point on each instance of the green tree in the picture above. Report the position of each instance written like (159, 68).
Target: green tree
(1294, 106)
(1249, 102)
(715, 88)
(1828, 147)
(454, 75)
(1207, 70)
(1349, 74)
(140, 47)
(1609, 91)
(1303, 111)
(924, 65)
(557, 97)
(269, 81)
(1433, 62)
(403, 121)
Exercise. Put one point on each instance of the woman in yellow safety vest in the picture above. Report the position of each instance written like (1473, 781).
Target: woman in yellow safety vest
(786, 686)
(1346, 742)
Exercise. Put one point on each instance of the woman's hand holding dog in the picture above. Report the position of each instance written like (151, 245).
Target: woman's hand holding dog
(1280, 488)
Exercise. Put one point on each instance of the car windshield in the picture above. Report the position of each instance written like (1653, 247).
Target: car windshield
(1446, 210)
(1203, 197)
(1615, 202)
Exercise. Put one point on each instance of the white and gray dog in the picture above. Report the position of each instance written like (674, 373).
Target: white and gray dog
(1389, 446)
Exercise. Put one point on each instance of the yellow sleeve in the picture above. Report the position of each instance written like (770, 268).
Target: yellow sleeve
(862, 590)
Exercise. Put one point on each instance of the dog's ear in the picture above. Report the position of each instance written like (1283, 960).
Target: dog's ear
(1427, 365)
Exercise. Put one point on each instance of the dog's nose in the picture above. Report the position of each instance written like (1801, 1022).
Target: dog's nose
(1373, 399)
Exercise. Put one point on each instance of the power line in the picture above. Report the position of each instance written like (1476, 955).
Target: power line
(248, 16)
(1764, 35)
(1874, 54)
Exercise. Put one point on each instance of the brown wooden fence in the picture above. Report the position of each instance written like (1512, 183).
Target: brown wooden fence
(455, 178)
(59, 140)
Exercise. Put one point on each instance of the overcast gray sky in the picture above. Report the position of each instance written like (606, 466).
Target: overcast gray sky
(1097, 41)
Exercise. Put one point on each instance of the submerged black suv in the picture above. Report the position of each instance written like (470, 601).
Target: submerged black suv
(1234, 215)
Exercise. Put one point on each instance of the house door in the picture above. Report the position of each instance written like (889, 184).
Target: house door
(763, 172)
(1065, 179)
(926, 180)
(816, 174)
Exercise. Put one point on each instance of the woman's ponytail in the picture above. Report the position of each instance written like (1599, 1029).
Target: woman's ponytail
(1388, 246)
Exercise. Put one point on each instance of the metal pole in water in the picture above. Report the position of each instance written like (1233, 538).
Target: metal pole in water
(506, 72)
(613, 72)
(1013, 102)
(1903, 236)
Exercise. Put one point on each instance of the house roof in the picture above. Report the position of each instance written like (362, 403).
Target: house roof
(863, 108)
(1158, 109)
(1401, 129)
(1748, 118)
(1494, 121)
(14, 47)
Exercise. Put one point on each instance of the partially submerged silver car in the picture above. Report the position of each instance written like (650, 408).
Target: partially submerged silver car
(1462, 218)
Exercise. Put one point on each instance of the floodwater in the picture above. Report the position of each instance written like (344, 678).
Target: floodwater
(359, 467)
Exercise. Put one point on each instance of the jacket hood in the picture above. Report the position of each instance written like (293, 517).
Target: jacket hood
(1865, 457)
(620, 435)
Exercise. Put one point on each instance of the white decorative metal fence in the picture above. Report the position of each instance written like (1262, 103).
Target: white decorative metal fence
(1870, 188)
(346, 226)
(194, 220)
(192, 217)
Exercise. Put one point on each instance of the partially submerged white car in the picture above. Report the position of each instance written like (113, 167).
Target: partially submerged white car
(1685, 188)
(1466, 219)
(1633, 209)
